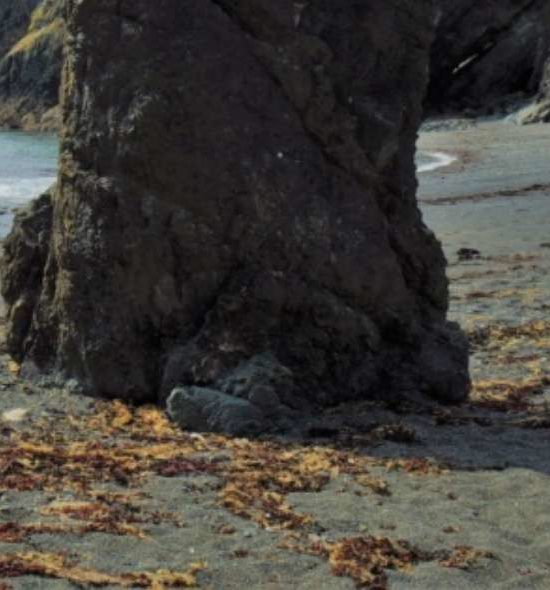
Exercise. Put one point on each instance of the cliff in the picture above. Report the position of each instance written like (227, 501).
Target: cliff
(31, 46)
(486, 52)
(14, 21)
(236, 212)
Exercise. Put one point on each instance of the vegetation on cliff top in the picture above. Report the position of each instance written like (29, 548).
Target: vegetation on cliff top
(46, 20)
(30, 63)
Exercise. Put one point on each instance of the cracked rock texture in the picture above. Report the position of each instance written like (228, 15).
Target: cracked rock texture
(236, 210)
(485, 51)
(31, 48)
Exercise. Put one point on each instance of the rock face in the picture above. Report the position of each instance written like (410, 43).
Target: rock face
(25, 253)
(14, 21)
(31, 42)
(483, 53)
(539, 111)
(236, 210)
(486, 51)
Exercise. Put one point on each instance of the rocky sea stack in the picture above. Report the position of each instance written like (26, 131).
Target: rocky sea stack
(235, 215)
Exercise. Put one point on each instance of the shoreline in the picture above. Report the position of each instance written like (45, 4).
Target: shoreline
(441, 160)
(28, 168)
(492, 156)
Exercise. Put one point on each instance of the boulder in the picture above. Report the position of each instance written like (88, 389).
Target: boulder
(236, 208)
(206, 410)
(539, 110)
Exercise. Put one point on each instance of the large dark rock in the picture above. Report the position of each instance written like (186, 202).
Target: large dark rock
(31, 48)
(485, 51)
(236, 208)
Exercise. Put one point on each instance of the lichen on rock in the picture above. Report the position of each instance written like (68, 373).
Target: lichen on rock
(237, 186)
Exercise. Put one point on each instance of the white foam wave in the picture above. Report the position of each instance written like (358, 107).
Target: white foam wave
(17, 191)
(438, 160)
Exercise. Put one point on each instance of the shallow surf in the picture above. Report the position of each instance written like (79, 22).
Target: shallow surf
(28, 166)
(429, 161)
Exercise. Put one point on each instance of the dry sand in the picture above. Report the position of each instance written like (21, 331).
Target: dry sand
(467, 488)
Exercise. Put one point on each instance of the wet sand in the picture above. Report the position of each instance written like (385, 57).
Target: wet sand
(492, 157)
(367, 495)
(507, 284)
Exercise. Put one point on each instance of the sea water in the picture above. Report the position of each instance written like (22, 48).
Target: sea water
(429, 161)
(28, 166)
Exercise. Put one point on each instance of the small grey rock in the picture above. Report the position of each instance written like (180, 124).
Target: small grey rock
(202, 409)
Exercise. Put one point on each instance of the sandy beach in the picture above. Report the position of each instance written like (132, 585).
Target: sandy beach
(372, 496)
